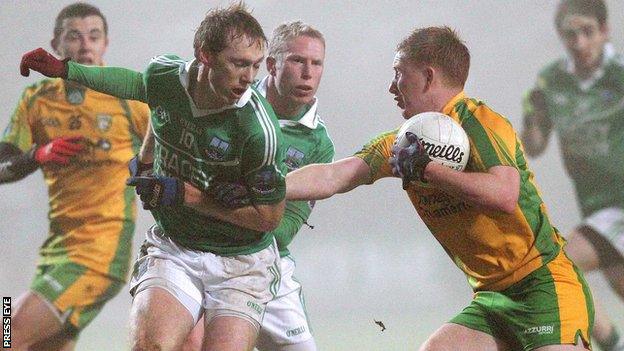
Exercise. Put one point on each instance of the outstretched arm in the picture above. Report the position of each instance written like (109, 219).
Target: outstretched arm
(119, 82)
(320, 181)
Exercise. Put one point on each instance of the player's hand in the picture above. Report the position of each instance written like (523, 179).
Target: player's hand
(157, 191)
(537, 111)
(42, 61)
(230, 195)
(137, 168)
(59, 150)
(409, 162)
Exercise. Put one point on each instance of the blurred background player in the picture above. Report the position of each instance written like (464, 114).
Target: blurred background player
(82, 140)
(581, 96)
(207, 124)
(490, 219)
(295, 64)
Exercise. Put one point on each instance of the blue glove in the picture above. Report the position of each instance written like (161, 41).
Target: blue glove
(230, 195)
(139, 169)
(409, 162)
(157, 191)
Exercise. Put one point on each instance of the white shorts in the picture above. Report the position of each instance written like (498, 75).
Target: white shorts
(285, 320)
(206, 283)
(608, 222)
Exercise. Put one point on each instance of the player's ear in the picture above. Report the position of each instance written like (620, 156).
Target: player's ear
(54, 45)
(206, 58)
(429, 73)
(271, 65)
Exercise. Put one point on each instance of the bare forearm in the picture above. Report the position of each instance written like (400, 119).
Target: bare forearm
(146, 154)
(320, 181)
(486, 190)
(262, 218)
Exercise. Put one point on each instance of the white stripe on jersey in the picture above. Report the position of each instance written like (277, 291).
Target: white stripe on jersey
(165, 61)
(270, 146)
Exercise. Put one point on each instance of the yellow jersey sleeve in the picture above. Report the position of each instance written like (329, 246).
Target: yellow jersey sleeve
(19, 130)
(376, 154)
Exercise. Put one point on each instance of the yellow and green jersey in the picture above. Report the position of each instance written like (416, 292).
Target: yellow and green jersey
(494, 249)
(91, 210)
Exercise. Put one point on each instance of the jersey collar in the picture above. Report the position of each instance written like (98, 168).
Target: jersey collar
(608, 53)
(198, 112)
(310, 119)
(448, 108)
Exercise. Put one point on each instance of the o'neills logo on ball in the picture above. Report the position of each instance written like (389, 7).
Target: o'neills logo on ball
(447, 152)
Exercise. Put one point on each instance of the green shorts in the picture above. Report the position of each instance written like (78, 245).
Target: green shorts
(76, 292)
(550, 306)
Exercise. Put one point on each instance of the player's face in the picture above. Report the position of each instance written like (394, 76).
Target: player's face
(298, 73)
(234, 69)
(584, 39)
(83, 40)
(409, 86)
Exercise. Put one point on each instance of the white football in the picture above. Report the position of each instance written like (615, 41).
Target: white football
(444, 139)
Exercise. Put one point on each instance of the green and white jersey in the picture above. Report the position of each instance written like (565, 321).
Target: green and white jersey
(305, 141)
(238, 143)
(588, 116)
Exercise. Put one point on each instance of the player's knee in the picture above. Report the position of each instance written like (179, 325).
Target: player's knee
(152, 344)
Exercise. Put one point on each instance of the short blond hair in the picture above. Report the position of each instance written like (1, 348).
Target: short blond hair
(288, 31)
(439, 47)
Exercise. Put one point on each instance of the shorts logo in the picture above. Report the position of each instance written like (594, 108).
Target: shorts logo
(255, 307)
(293, 158)
(104, 122)
(296, 331)
(162, 114)
(541, 330)
(217, 149)
(58, 287)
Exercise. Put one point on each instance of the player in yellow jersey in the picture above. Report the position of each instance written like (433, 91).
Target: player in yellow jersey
(82, 141)
(490, 218)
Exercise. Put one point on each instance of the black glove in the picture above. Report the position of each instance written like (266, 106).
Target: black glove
(409, 162)
(157, 191)
(230, 195)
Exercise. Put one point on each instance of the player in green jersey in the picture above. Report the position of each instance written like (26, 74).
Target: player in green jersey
(295, 64)
(207, 125)
(581, 97)
(81, 140)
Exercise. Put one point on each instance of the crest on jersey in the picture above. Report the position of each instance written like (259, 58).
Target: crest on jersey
(293, 158)
(103, 122)
(162, 114)
(75, 96)
(217, 149)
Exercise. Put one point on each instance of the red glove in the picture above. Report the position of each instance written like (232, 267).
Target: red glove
(42, 61)
(59, 150)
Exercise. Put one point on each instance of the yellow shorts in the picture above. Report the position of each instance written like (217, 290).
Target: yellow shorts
(77, 293)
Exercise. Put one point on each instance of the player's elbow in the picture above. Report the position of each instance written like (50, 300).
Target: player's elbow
(507, 201)
(270, 217)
